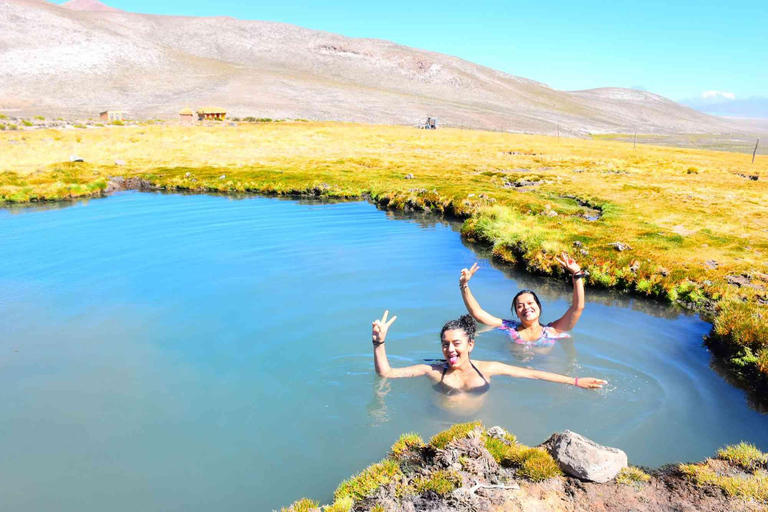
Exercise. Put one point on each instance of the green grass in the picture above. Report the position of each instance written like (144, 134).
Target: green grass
(366, 482)
(341, 505)
(535, 464)
(754, 487)
(458, 431)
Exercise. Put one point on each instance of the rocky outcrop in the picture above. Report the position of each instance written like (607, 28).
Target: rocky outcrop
(583, 458)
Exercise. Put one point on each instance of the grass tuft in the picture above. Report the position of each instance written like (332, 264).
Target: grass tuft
(366, 482)
(754, 486)
(458, 431)
(632, 475)
(744, 455)
(441, 482)
(302, 505)
(342, 505)
(406, 443)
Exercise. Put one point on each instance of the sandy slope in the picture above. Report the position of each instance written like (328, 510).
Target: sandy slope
(71, 61)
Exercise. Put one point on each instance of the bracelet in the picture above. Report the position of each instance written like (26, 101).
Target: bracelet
(578, 275)
(576, 382)
(376, 343)
(463, 286)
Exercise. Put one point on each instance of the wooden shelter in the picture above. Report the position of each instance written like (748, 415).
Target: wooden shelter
(112, 115)
(187, 115)
(211, 113)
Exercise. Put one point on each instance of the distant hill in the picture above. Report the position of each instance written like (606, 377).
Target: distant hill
(755, 107)
(84, 57)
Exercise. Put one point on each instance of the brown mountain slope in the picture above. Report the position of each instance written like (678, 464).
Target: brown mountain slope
(59, 60)
(88, 5)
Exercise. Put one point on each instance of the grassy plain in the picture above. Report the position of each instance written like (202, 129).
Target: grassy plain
(693, 224)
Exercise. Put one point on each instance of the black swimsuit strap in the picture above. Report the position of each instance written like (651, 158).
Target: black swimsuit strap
(478, 372)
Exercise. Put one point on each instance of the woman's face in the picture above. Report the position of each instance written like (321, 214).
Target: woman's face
(456, 347)
(526, 308)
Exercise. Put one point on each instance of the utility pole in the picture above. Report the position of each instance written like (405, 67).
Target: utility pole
(558, 131)
(755, 151)
(635, 144)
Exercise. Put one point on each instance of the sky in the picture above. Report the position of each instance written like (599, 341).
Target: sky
(677, 49)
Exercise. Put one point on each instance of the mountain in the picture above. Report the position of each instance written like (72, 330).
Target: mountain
(755, 107)
(80, 58)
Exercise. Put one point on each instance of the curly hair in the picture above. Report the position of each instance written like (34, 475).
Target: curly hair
(466, 323)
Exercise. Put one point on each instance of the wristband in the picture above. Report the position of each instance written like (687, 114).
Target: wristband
(464, 286)
(576, 381)
(376, 343)
(578, 275)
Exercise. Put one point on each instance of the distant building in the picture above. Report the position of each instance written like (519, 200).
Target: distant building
(187, 115)
(431, 123)
(113, 115)
(211, 113)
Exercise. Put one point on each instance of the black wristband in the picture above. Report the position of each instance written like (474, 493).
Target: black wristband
(377, 343)
(579, 275)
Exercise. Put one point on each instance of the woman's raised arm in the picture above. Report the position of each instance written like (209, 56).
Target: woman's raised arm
(496, 368)
(569, 319)
(473, 307)
(378, 335)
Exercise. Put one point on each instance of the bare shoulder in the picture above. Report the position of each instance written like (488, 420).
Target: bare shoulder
(487, 368)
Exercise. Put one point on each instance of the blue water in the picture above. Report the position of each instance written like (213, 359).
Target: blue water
(197, 353)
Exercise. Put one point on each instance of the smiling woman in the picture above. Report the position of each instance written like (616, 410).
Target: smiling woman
(458, 374)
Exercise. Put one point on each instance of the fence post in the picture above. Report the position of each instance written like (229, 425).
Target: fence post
(755, 151)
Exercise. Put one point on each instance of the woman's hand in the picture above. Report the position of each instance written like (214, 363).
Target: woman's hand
(466, 274)
(380, 327)
(590, 383)
(568, 263)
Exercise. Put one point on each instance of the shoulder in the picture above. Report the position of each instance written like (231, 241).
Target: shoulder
(509, 325)
(553, 334)
(489, 368)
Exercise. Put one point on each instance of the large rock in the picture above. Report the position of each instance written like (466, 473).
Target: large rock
(585, 459)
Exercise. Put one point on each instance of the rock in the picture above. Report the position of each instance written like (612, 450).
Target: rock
(619, 246)
(744, 280)
(222, 176)
(663, 271)
(712, 264)
(119, 162)
(409, 176)
(635, 266)
(187, 175)
(496, 432)
(583, 458)
(75, 158)
(550, 213)
(578, 244)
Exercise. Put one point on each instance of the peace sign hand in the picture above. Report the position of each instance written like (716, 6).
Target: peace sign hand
(380, 327)
(466, 274)
(568, 263)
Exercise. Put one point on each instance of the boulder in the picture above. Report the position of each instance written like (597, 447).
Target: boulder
(582, 458)
(119, 162)
(75, 158)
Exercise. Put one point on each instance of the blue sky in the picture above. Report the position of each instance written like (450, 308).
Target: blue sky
(677, 49)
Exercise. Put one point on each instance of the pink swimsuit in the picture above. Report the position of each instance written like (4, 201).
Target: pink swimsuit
(547, 338)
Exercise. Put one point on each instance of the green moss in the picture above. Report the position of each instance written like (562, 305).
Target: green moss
(378, 508)
(632, 475)
(406, 443)
(442, 482)
(302, 505)
(458, 431)
(744, 455)
(27, 123)
(366, 482)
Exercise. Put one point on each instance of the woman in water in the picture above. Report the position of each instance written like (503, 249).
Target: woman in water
(458, 374)
(529, 333)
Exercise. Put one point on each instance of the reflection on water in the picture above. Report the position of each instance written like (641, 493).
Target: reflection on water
(187, 352)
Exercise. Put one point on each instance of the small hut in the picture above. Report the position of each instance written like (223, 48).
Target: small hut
(186, 115)
(214, 113)
(112, 115)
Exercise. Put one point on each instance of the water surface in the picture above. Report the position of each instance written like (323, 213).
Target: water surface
(191, 353)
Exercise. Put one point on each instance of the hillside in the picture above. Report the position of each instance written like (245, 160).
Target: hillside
(84, 57)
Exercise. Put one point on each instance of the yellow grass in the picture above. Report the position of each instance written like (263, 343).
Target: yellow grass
(676, 208)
